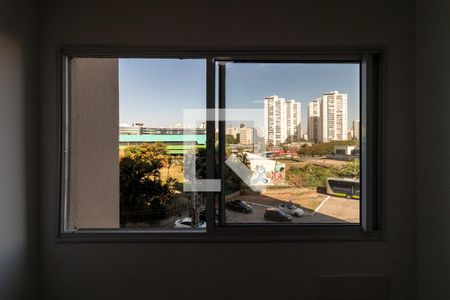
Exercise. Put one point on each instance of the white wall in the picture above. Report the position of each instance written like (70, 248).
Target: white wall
(233, 270)
(18, 145)
(433, 148)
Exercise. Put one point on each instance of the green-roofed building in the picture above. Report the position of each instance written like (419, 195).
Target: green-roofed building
(177, 144)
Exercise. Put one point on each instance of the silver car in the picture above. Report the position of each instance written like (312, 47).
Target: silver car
(291, 209)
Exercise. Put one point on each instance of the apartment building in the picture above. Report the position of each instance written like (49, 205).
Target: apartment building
(282, 120)
(314, 121)
(327, 118)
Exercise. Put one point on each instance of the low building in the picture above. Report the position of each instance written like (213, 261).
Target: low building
(345, 149)
(129, 130)
(246, 135)
(344, 152)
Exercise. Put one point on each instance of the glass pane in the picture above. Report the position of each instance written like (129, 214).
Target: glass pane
(129, 142)
(292, 143)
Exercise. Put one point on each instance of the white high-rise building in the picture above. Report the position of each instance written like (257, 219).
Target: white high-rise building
(356, 129)
(293, 121)
(314, 121)
(327, 118)
(282, 120)
(334, 117)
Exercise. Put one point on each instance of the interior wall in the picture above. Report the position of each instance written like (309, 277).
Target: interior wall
(18, 145)
(233, 270)
(94, 93)
(433, 148)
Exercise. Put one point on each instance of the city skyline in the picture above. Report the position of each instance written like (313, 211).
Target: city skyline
(181, 84)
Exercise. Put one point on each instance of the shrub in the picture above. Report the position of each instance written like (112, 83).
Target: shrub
(310, 175)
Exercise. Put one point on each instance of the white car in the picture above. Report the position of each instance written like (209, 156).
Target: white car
(291, 209)
(187, 223)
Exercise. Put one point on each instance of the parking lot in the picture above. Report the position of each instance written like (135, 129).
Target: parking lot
(318, 208)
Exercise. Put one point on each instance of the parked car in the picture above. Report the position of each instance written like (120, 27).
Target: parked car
(291, 209)
(187, 223)
(275, 214)
(239, 205)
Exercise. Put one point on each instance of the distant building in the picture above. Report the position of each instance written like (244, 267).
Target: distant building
(345, 149)
(139, 129)
(293, 121)
(356, 129)
(171, 131)
(314, 121)
(129, 130)
(327, 118)
(334, 116)
(305, 136)
(344, 152)
(246, 135)
(234, 131)
(350, 134)
(184, 126)
(282, 120)
(259, 132)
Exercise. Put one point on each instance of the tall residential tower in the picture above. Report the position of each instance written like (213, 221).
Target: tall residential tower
(314, 121)
(327, 118)
(282, 120)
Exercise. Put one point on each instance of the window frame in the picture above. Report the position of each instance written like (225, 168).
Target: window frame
(371, 226)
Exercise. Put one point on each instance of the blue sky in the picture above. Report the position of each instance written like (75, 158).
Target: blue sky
(155, 91)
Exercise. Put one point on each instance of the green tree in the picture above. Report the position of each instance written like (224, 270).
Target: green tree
(321, 149)
(310, 175)
(230, 139)
(285, 148)
(141, 186)
(243, 157)
(350, 169)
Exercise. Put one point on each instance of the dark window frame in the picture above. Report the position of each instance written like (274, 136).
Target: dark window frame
(371, 113)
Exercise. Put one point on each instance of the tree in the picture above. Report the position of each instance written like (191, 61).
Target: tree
(293, 149)
(321, 149)
(233, 182)
(243, 157)
(169, 162)
(350, 169)
(229, 138)
(310, 175)
(141, 186)
(285, 149)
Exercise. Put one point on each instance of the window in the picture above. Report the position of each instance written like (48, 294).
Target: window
(209, 145)
(284, 156)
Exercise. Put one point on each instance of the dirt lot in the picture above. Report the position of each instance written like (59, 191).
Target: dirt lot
(318, 161)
